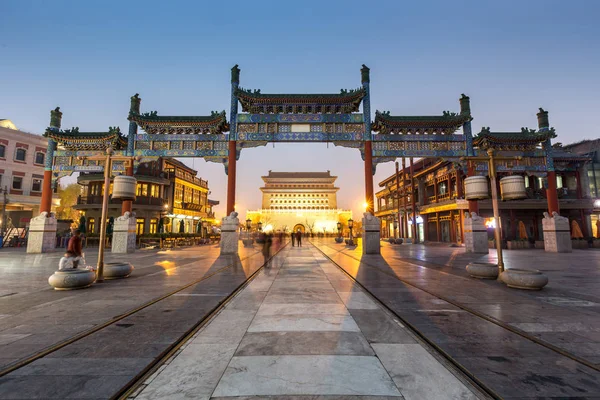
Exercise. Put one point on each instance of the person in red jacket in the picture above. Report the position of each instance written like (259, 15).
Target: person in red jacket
(74, 247)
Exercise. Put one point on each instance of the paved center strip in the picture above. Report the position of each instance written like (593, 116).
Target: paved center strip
(303, 328)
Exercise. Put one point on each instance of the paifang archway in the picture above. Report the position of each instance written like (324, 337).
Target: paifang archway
(291, 118)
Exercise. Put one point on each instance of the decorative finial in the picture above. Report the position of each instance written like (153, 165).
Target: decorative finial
(235, 74)
(134, 107)
(364, 74)
(55, 118)
(465, 104)
(542, 117)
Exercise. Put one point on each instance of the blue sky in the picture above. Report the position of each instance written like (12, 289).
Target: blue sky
(510, 57)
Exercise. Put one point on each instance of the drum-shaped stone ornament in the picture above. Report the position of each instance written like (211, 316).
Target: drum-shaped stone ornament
(70, 279)
(512, 188)
(124, 187)
(476, 188)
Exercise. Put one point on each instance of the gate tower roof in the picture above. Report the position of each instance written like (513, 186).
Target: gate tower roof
(347, 101)
(443, 124)
(152, 123)
(72, 139)
(512, 140)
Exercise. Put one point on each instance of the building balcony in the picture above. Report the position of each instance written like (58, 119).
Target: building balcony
(96, 201)
(170, 174)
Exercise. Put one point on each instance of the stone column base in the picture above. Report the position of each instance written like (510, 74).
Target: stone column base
(475, 233)
(229, 234)
(42, 234)
(371, 234)
(557, 234)
(123, 239)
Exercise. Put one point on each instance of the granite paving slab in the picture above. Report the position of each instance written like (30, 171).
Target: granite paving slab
(185, 378)
(304, 343)
(418, 375)
(295, 375)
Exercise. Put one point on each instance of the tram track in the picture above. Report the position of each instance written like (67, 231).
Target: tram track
(172, 347)
(475, 313)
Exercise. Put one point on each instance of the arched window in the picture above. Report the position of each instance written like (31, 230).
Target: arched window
(40, 158)
(20, 154)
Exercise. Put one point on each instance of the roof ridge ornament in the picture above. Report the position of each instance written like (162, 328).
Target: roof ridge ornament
(73, 131)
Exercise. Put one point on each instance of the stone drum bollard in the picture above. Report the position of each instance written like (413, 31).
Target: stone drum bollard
(69, 278)
(117, 270)
(371, 234)
(42, 233)
(229, 236)
(123, 240)
(557, 233)
(475, 234)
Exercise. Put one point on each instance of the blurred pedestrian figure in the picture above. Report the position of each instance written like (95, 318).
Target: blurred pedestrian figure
(74, 247)
(299, 238)
(293, 238)
(266, 250)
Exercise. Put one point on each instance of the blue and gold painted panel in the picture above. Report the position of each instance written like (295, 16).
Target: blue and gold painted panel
(300, 118)
(299, 137)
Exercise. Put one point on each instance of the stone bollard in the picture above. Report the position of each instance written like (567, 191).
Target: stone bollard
(371, 226)
(123, 240)
(557, 233)
(229, 235)
(475, 234)
(42, 233)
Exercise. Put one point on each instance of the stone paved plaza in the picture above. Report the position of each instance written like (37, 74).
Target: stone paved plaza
(413, 326)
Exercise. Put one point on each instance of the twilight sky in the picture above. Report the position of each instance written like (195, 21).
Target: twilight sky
(510, 57)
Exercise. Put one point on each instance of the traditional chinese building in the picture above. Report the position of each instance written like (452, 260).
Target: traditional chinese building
(300, 200)
(165, 188)
(22, 159)
(591, 149)
(430, 192)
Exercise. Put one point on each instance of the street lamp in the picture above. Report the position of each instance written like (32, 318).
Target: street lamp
(108, 161)
(396, 228)
(350, 226)
(4, 203)
(339, 228)
(491, 160)
(204, 225)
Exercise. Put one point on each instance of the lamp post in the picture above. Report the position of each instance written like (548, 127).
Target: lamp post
(350, 226)
(204, 225)
(3, 226)
(491, 160)
(248, 226)
(396, 228)
(339, 228)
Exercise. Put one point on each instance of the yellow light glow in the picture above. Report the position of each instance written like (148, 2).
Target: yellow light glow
(365, 205)
(490, 223)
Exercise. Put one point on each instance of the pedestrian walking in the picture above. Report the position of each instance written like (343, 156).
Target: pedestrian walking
(299, 238)
(266, 250)
(293, 238)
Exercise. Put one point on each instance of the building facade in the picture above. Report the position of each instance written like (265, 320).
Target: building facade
(166, 189)
(305, 201)
(22, 159)
(429, 193)
(591, 149)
